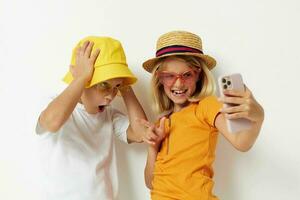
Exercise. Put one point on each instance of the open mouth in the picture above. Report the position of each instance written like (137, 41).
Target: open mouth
(179, 92)
(101, 108)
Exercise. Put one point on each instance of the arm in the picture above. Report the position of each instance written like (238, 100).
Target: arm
(246, 107)
(154, 136)
(59, 110)
(151, 158)
(135, 111)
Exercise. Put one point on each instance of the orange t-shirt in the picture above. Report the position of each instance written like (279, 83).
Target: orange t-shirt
(183, 167)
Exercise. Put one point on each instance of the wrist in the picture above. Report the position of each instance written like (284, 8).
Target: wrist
(82, 80)
(125, 89)
(154, 148)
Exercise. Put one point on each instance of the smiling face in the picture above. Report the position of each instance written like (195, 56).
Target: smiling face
(100, 95)
(178, 80)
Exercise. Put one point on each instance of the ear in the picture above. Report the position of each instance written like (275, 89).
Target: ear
(199, 73)
(200, 70)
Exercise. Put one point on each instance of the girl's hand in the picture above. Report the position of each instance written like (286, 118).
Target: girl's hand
(84, 67)
(244, 106)
(154, 134)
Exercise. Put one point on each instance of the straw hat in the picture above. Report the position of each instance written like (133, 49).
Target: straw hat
(179, 43)
(111, 62)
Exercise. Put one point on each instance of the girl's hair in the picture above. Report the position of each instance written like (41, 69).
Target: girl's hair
(205, 85)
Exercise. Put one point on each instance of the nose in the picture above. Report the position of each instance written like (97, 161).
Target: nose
(111, 94)
(108, 97)
(178, 82)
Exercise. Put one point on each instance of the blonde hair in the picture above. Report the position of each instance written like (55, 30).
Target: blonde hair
(205, 86)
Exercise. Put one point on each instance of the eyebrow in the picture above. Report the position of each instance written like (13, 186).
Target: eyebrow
(177, 72)
(109, 84)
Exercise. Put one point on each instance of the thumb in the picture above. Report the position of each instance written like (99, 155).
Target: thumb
(162, 123)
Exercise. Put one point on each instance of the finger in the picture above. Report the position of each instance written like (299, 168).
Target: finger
(235, 109)
(84, 46)
(238, 115)
(161, 127)
(233, 100)
(149, 141)
(248, 92)
(152, 136)
(95, 55)
(162, 122)
(151, 128)
(234, 93)
(88, 50)
(78, 50)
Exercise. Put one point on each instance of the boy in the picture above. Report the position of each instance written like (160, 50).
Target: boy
(77, 127)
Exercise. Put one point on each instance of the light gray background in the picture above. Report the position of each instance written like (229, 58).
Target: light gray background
(258, 38)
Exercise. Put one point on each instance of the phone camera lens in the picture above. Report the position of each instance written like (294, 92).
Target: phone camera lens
(223, 80)
(228, 82)
(225, 87)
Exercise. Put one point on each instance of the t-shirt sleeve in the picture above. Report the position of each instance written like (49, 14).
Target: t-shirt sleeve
(208, 109)
(120, 124)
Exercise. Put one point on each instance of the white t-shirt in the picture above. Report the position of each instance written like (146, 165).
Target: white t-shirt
(79, 161)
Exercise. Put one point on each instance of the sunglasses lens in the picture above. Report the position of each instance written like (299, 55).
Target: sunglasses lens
(166, 78)
(187, 76)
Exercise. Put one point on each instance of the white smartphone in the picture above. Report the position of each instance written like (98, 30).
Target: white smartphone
(233, 82)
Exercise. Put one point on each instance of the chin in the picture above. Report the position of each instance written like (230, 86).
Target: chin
(179, 101)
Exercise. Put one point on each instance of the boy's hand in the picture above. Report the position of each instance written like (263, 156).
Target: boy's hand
(245, 106)
(154, 134)
(84, 67)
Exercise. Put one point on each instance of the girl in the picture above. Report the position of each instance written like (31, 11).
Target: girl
(182, 150)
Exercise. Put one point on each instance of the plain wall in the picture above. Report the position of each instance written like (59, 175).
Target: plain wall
(258, 38)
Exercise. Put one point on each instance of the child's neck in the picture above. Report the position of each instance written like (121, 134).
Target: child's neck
(178, 107)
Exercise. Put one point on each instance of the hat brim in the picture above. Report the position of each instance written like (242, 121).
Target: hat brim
(107, 72)
(208, 60)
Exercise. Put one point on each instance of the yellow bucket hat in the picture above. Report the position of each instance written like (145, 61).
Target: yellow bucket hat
(111, 62)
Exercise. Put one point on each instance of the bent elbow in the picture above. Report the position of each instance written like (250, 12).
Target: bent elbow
(148, 180)
(50, 123)
(133, 137)
(53, 128)
(148, 184)
(243, 148)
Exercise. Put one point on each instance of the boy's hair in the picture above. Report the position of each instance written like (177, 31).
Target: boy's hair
(205, 85)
